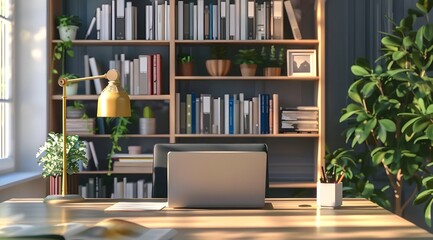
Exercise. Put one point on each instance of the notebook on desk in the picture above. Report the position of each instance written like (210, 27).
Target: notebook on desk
(216, 179)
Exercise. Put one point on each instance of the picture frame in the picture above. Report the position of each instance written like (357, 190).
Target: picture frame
(301, 62)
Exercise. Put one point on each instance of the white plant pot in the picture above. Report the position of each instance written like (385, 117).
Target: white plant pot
(147, 126)
(67, 33)
(71, 89)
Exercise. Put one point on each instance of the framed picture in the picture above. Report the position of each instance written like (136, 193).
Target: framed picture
(301, 62)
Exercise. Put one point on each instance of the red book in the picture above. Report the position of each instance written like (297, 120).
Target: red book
(156, 74)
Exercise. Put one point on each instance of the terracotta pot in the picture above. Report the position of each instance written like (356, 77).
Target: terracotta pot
(56, 185)
(218, 67)
(272, 71)
(186, 69)
(248, 69)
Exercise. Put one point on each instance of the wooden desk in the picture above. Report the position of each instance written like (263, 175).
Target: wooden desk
(284, 219)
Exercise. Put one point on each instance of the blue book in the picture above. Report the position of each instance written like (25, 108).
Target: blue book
(231, 115)
(100, 122)
(264, 113)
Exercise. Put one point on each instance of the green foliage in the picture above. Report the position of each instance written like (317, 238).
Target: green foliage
(147, 112)
(392, 110)
(118, 131)
(218, 52)
(68, 20)
(273, 60)
(185, 58)
(247, 56)
(60, 51)
(357, 175)
(51, 155)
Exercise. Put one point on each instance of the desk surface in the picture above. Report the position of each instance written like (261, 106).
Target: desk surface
(283, 219)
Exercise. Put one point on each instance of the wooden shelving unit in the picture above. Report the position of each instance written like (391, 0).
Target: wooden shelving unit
(291, 155)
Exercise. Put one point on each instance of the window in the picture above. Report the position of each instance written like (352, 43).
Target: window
(6, 34)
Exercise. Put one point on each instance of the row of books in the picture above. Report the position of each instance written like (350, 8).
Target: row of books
(96, 187)
(230, 114)
(80, 126)
(300, 119)
(118, 21)
(234, 20)
(139, 76)
(132, 163)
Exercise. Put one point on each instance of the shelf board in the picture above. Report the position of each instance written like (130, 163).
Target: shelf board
(280, 135)
(311, 42)
(256, 78)
(126, 136)
(95, 97)
(292, 184)
(111, 172)
(94, 42)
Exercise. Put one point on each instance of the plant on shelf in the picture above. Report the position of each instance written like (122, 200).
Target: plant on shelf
(77, 110)
(273, 62)
(148, 121)
(68, 26)
(71, 88)
(391, 114)
(119, 129)
(248, 60)
(50, 155)
(186, 64)
(219, 64)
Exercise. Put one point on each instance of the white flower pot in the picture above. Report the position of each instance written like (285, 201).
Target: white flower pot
(147, 126)
(67, 33)
(71, 89)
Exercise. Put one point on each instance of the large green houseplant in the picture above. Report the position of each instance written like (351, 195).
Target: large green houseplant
(391, 116)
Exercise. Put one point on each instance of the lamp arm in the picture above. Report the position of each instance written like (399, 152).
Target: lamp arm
(111, 75)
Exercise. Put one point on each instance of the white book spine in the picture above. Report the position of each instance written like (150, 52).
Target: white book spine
(232, 22)
(195, 26)
(86, 74)
(243, 20)
(167, 21)
(215, 22)
(200, 19)
(226, 114)
(98, 23)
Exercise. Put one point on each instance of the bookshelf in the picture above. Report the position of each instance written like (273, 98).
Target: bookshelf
(294, 158)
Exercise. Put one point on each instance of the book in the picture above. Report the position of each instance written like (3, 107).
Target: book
(120, 20)
(278, 26)
(94, 68)
(106, 229)
(94, 156)
(292, 20)
(91, 26)
(87, 90)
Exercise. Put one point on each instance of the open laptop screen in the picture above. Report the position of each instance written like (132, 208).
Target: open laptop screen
(216, 179)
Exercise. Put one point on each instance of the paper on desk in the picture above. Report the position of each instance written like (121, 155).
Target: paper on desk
(136, 206)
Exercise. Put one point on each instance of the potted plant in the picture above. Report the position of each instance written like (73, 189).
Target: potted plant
(77, 110)
(185, 65)
(148, 121)
(219, 64)
(60, 51)
(391, 113)
(71, 88)
(118, 130)
(68, 26)
(272, 63)
(248, 60)
(50, 157)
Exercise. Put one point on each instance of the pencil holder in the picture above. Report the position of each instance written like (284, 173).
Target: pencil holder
(329, 194)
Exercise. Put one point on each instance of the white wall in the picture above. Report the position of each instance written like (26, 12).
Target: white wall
(31, 85)
(30, 120)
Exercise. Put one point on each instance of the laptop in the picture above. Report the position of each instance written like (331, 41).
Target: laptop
(216, 179)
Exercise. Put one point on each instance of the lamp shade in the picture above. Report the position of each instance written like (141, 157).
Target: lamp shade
(113, 101)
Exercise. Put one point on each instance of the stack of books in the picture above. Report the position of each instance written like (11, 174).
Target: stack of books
(80, 126)
(299, 119)
(133, 163)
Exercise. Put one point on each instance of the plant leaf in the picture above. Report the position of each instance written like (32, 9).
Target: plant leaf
(359, 71)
